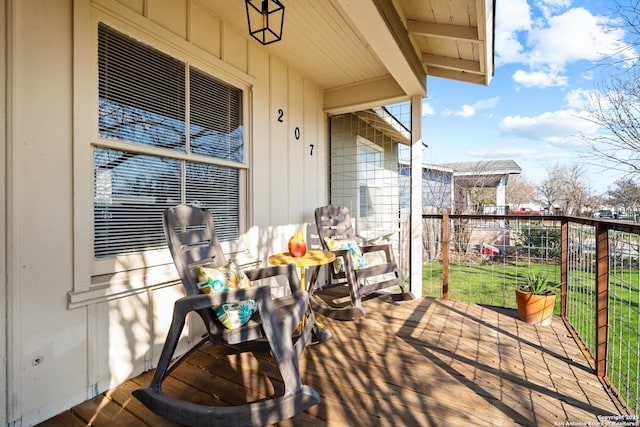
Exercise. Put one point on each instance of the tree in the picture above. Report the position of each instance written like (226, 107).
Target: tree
(520, 191)
(436, 189)
(616, 109)
(550, 189)
(483, 197)
(565, 189)
(626, 194)
(615, 106)
(475, 186)
(576, 189)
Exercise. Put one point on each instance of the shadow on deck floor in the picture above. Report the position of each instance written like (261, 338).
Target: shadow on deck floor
(426, 362)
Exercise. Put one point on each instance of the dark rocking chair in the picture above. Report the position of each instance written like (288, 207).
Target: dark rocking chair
(334, 224)
(193, 243)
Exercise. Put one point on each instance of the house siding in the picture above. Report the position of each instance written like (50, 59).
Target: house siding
(57, 356)
(3, 214)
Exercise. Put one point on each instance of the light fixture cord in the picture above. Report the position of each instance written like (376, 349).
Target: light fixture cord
(265, 13)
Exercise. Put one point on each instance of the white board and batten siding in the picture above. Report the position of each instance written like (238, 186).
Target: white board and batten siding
(62, 353)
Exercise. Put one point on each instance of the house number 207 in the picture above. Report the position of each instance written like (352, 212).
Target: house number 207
(296, 131)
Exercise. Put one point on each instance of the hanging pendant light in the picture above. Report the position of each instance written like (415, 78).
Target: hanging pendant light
(265, 19)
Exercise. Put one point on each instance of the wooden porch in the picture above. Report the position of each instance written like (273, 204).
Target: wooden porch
(411, 363)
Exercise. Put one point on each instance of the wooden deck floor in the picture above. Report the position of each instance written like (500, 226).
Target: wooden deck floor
(411, 363)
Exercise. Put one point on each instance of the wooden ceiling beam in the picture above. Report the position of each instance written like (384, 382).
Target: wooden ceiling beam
(364, 95)
(445, 31)
(461, 76)
(451, 63)
(382, 30)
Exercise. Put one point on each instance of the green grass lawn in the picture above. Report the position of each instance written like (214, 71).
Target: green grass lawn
(491, 283)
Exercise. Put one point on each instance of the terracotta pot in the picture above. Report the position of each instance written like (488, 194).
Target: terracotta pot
(535, 309)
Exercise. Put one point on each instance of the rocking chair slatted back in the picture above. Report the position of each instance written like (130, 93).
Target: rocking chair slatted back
(334, 222)
(193, 243)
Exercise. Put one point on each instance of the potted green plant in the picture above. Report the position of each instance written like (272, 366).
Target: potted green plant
(536, 299)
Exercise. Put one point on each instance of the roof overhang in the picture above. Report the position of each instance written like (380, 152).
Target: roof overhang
(370, 53)
(382, 120)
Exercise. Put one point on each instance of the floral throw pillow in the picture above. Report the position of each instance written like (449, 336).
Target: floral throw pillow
(352, 246)
(221, 279)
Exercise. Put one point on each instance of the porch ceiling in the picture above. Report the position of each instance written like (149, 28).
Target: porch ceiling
(369, 53)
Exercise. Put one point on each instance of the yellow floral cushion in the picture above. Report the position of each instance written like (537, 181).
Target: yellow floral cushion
(221, 279)
(351, 246)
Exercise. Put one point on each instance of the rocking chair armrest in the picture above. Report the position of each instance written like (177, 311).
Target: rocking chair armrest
(272, 271)
(288, 270)
(340, 252)
(345, 254)
(261, 294)
(384, 247)
(202, 301)
(349, 266)
(296, 311)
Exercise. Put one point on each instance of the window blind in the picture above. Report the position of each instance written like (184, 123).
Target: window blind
(131, 191)
(216, 188)
(215, 131)
(142, 100)
(141, 91)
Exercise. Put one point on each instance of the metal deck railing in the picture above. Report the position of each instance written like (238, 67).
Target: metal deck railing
(482, 258)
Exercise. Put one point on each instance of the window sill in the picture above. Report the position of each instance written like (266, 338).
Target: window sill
(109, 287)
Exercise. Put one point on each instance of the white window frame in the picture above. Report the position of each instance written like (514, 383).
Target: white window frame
(96, 280)
(362, 142)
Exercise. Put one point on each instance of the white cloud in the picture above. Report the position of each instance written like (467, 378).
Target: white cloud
(557, 4)
(486, 104)
(557, 127)
(427, 109)
(587, 75)
(551, 36)
(580, 99)
(520, 153)
(548, 7)
(504, 152)
(575, 35)
(465, 111)
(539, 78)
(512, 17)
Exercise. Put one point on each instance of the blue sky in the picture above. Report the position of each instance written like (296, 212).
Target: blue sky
(549, 56)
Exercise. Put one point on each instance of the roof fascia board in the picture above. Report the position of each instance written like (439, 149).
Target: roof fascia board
(486, 31)
(428, 166)
(383, 31)
(487, 173)
(363, 95)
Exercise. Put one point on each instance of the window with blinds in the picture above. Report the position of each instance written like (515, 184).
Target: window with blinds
(186, 129)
